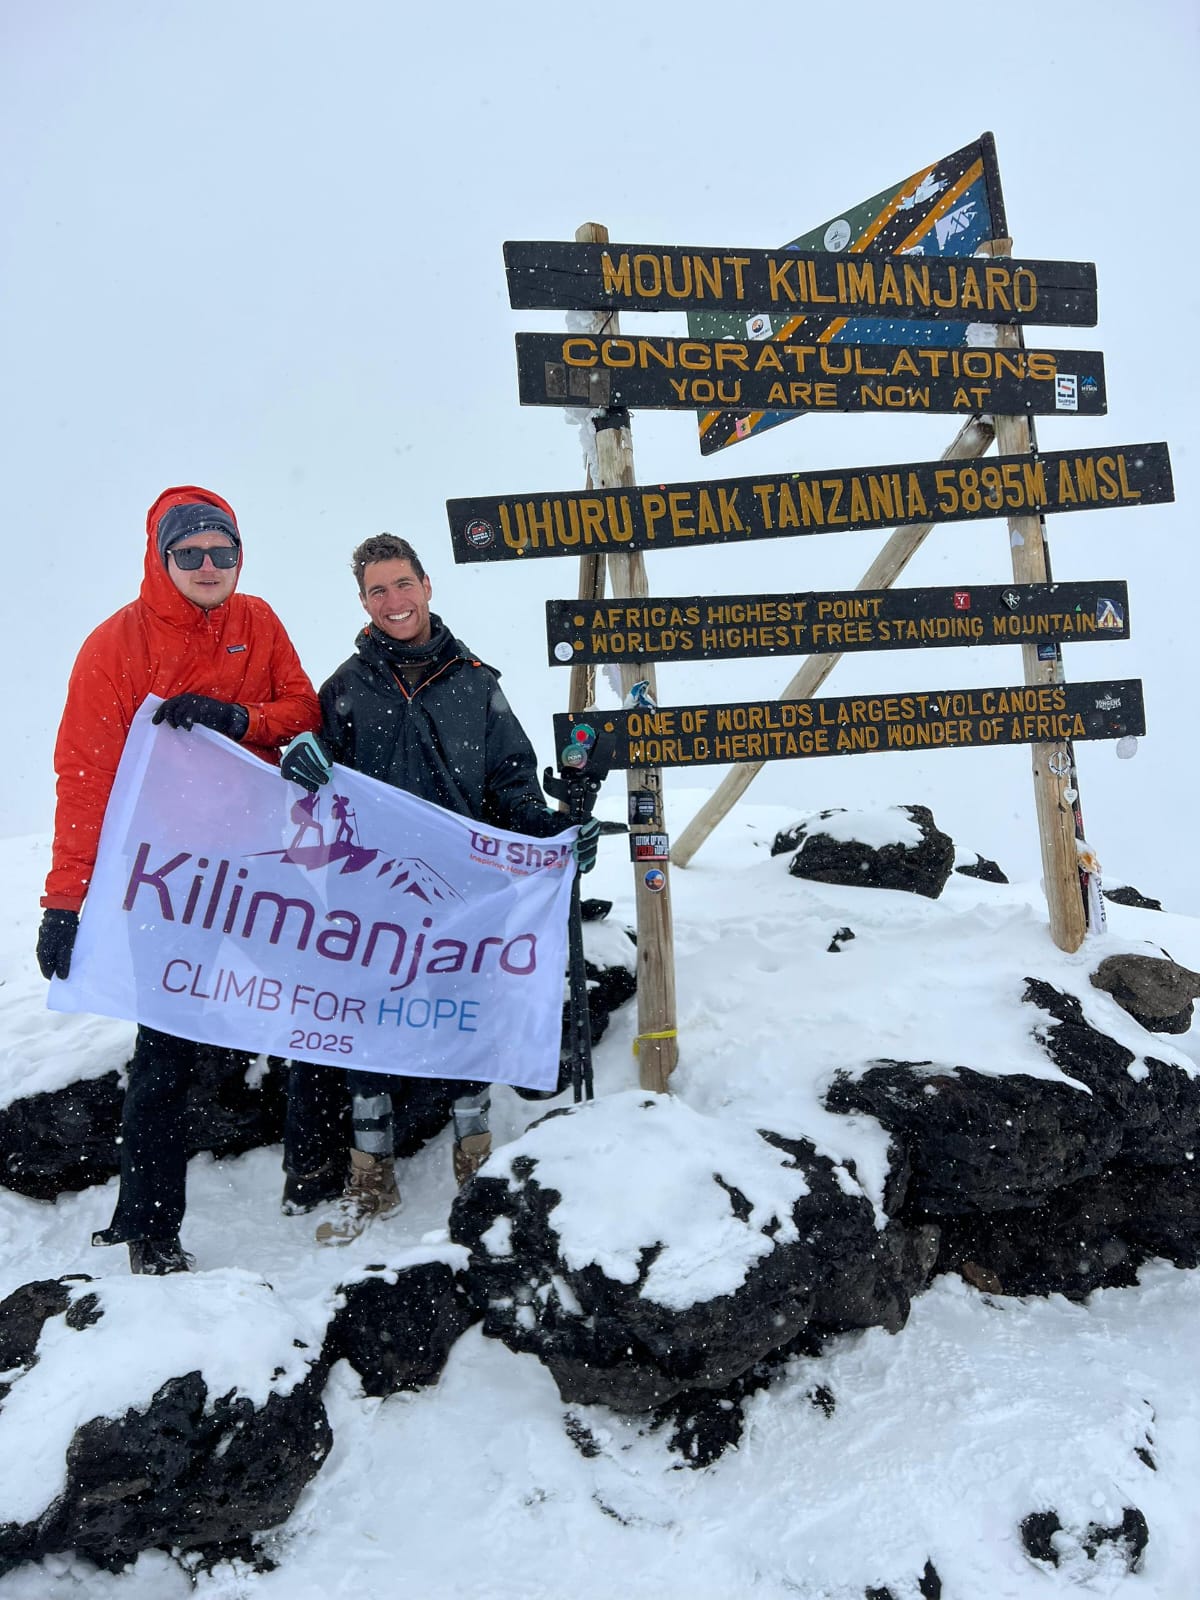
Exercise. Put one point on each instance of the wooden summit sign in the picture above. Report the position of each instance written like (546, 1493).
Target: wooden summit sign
(578, 369)
(725, 627)
(671, 516)
(645, 277)
(776, 730)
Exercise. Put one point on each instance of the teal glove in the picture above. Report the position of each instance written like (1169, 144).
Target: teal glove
(306, 762)
(587, 843)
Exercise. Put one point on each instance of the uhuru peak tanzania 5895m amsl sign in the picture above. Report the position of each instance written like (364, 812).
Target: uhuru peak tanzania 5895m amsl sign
(668, 516)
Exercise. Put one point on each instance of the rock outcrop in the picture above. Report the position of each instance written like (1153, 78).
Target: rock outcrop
(727, 1244)
(67, 1139)
(195, 1444)
(396, 1323)
(828, 848)
(1156, 991)
(1039, 1185)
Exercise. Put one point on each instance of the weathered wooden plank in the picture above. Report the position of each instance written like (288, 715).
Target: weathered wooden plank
(683, 516)
(582, 369)
(736, 626)
(778, 730)
(551, 275)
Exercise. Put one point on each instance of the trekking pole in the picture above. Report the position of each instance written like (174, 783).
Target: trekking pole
(578, 782)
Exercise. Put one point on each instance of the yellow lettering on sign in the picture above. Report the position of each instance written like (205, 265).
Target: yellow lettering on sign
(777, 280)
(614, 276)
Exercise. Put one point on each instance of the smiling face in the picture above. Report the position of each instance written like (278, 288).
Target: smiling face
(397, 601)
(208, 586)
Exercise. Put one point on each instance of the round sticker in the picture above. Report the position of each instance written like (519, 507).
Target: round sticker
(563, 651)
(574, 756)
(1127, 747)
(583, 733)
(837, 235)
(479, 534)
(655, 880)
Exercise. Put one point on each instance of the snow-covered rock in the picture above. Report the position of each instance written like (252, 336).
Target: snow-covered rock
(395, 1323)
(64, 1139)
(112, 1442)
(896, 847)
(641, 1249)
(1044, 1185)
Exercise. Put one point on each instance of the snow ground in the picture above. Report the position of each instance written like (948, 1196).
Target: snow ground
(941, 1438)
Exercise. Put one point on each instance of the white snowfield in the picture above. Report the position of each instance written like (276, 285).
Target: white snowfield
(929, 1445)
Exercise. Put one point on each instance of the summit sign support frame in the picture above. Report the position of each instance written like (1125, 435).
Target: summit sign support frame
(657, 1044)
(1070, 899)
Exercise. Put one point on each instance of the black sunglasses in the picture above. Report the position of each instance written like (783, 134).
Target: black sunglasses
(190, 557)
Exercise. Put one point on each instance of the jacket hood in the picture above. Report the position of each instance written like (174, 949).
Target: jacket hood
(158, 592)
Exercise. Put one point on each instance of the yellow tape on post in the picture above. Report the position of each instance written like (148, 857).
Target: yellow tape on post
(661, 1033)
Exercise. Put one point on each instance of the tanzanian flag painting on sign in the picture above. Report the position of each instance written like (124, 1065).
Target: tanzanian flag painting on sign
(947, 209)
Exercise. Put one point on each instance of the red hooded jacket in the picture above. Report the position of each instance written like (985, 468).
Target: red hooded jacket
(163, 644)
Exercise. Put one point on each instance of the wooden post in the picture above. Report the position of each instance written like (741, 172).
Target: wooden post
(582, 691)
(1030, 564)
(974, 438)
(657, 1043)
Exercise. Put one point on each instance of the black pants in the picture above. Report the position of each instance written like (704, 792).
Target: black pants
(316, 1127)
(154, 1140)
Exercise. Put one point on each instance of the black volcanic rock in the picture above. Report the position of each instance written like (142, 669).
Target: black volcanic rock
(396, 1325)
(66, 1139)
(629, 1339)
(983, 869)
(1126, 895)
(181, 1467)
(920, 868)
(1156, 991)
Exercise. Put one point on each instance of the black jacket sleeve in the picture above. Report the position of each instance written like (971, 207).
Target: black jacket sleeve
(513, 797)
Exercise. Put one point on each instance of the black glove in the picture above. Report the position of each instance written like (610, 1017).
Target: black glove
(587, 843)
(56, 940)
(186, 710)
(306, 762)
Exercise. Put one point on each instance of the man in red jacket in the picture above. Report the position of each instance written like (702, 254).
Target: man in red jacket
(218, 659)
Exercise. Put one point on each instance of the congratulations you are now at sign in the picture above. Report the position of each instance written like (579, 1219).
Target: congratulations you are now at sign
(359, 927)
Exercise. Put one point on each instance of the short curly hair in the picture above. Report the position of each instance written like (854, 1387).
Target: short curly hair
(383, 547)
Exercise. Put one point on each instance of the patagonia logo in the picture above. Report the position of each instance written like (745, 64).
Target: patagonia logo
(232, 649)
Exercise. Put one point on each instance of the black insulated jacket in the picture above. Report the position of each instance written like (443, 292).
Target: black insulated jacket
(453, 739)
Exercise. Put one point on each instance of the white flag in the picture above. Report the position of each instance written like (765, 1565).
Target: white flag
(360, 927)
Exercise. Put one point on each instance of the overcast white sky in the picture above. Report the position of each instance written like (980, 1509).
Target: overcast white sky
(256, 245)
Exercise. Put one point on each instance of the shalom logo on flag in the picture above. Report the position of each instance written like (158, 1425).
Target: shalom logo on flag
(360, 926)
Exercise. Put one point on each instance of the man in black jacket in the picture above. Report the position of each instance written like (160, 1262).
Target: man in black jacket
(414, 708)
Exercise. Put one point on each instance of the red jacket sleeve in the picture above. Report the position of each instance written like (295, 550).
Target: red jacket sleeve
(91, 736)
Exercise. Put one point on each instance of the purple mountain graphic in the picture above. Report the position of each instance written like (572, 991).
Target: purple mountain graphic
(353, 857)
(414, 876)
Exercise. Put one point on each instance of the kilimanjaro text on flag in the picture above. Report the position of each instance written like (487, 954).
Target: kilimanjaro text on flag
(360, 927)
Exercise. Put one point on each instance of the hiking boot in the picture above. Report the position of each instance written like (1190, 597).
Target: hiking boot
(154, 1258)
(370, 1193)
(303, 1191)
(469, 1154)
